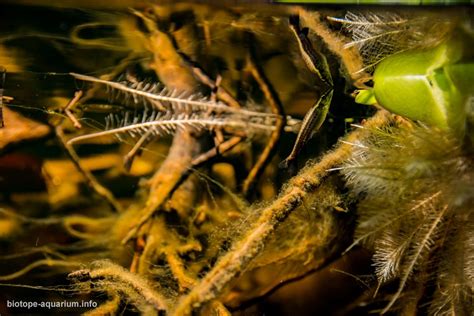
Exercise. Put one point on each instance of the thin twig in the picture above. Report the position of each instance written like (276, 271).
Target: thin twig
(277, 109)
(221, 92)
(90, 179)
(211, 153)
(208, 156)
(3, 72)
(39, 263)
(136, 149)
(70, 105)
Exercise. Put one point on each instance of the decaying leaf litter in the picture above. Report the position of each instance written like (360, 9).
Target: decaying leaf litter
(194, 117)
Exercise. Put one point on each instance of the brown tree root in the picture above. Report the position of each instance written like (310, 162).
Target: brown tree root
(252, 243)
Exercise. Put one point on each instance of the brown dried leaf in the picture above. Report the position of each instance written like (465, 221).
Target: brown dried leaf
(19, 128)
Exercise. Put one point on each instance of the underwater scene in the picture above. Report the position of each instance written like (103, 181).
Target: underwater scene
(236, 158)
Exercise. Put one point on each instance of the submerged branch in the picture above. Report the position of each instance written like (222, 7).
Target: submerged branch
(238, 258)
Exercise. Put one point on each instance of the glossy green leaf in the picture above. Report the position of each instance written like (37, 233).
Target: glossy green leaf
(430, 86)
